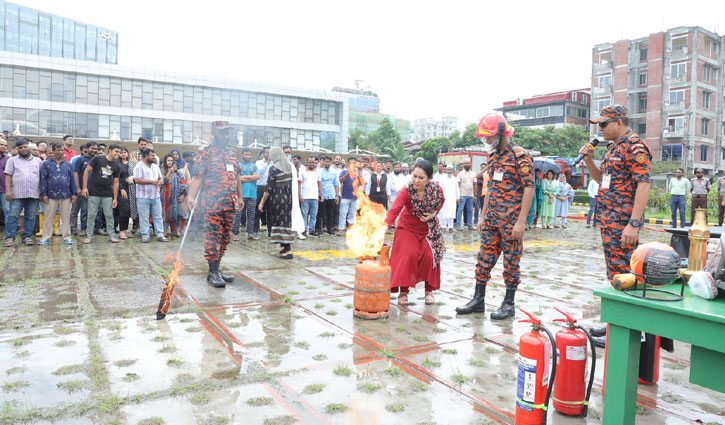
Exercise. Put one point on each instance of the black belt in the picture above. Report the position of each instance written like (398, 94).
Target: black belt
(699, 196)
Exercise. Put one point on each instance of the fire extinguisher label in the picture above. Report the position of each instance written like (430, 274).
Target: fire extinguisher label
(547, 356)
(526, 388)
(574, 352)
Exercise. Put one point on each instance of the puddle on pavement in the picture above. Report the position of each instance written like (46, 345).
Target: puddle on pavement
(145, 355)
(30, 360)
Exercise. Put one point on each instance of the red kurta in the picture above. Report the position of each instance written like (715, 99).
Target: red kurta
(411, 260)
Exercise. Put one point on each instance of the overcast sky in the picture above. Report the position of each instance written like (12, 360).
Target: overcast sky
(424, 58)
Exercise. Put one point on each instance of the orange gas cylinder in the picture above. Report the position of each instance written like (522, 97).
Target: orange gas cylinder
(372, 287)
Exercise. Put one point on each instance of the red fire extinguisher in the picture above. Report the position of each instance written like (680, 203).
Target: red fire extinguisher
(534, 385)
(571, 397)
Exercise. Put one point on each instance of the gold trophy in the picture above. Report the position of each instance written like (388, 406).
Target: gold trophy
(698, 235)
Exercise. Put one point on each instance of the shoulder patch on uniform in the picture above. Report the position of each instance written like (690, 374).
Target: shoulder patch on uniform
(525, 169)
(640, 158)
(519, 151)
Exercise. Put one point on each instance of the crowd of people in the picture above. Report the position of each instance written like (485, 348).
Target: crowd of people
(51, 190)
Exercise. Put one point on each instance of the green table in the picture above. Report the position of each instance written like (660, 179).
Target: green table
(693, 320)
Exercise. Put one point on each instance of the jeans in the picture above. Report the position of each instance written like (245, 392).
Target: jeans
(592, 209)
(11, 220)
(5, 206)
(477, 208)
(153, 206)
(677, 203)
(104, 203)
(348, 208)
(249, 211)
(309, 214)
(81, 204)
(466, 201)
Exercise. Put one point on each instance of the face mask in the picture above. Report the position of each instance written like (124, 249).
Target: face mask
(289, 156)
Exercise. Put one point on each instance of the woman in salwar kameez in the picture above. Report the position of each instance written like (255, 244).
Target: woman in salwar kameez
(279, 209)
(549, 188)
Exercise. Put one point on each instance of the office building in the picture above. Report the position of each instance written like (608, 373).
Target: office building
(429, 128)
(556, 110)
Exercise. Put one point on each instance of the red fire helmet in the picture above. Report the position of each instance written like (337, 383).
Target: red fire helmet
(489, 125)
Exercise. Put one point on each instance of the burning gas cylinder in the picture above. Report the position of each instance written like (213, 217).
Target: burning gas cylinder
(372, 286)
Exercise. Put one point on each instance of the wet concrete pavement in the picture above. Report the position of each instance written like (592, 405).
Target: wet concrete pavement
(79, 342)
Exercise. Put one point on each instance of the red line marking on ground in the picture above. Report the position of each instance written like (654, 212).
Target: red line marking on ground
(305, 403)
(283, 402)
(370, 341)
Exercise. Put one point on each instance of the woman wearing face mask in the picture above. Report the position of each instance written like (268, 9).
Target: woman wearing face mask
(563, 200)
(550, 188)
(418, 246)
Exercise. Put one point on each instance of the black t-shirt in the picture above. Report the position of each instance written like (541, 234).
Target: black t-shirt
(100, 182)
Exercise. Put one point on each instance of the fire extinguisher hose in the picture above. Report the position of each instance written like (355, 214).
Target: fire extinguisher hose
(591, 373)
(553, 372)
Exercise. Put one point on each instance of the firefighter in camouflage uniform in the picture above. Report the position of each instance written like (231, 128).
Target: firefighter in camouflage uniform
(624, 183)
(217, 173)
(505, 209)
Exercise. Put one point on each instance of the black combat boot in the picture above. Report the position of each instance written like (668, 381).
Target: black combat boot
(226, 277)
(507, 308)
(476, 305)
(213, 277)
(598, 331)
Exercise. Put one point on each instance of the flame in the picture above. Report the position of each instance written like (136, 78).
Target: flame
(178, 266)
(366, 236)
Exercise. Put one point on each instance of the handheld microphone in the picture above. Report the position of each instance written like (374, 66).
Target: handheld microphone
(579, 158)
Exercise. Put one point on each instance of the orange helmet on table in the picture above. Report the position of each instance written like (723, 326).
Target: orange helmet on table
(492, 124)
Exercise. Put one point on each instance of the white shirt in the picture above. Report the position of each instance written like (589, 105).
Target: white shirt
(397, 183)
(366, 178)
(380, 176)
(309, 180)
(437, 177)
(263, 171)
(593, 188)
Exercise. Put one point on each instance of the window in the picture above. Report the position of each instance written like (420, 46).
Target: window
(723, 153)
(642, 54)
(706, 99)
(642, 102)
(705, 128)
(603, 103)
(679, 44)
(643, 79)
(543, 112)
(605, 81)
(708, 46)
(703, 153)
(678, 70)
(605, 57)
(671, 152)
(675, 123)
(642, 129)
(677, 97)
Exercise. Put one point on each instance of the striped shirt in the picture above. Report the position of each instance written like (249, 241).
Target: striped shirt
(26, 176)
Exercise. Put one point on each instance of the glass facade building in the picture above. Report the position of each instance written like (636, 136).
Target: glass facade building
(26, 30)
(59, 76)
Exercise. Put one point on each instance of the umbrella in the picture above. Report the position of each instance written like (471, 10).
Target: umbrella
(546, 164)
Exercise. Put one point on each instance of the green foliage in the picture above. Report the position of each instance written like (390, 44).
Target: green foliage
(468, 138)
(581, 196)
(357, 138)
(564, 142)
(432, 147)
(385, 137)
(664, 167)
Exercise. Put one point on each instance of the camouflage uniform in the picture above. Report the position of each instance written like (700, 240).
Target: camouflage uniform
(627, 163)
(219, 168)
(504, 205)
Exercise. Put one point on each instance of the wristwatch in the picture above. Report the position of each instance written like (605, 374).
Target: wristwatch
(634, 222)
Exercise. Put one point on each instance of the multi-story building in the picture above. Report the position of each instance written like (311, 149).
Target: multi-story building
(429, 128)
(368, 122)
(671, 83)
(26, 30)
(51, 95)
(557, 110)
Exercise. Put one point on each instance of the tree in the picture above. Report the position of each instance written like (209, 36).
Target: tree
(432, 147)
(468, 138)
(563, 142)
(385, 136)
(397, 153)
(357, 139)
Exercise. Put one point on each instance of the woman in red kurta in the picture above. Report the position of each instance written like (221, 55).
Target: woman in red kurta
(418, 246)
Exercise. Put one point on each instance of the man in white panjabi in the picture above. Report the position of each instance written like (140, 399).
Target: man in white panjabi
(449, 184)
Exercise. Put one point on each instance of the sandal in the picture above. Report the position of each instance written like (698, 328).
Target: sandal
(403, 299)
(429, 298)
(87, 241)
(235, 238)
(253, 237)
(122, 235)
(9, 242)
